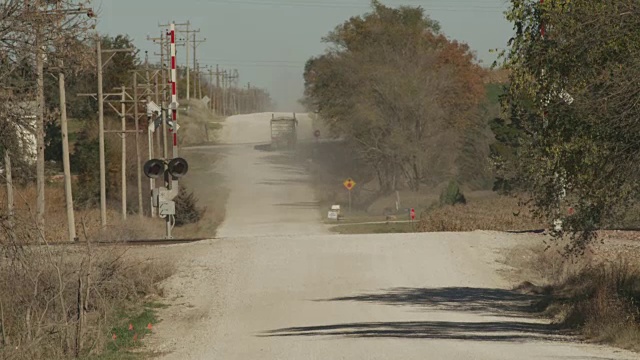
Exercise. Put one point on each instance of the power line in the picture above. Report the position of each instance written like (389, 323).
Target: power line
(464, 6)
(248, 63)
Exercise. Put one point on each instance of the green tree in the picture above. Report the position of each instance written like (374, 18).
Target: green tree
(571, 101)
(53, 142)
(452, 195)
(118, 72)
(393, 86)
(85, 162)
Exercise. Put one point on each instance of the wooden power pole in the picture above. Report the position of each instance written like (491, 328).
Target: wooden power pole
(103, 170)
(100, 96)
(137, 137)
(123, 119)
(10, 200)
(40, 202)
(66, 165)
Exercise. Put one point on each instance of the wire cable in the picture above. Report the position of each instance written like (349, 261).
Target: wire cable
(463, 6)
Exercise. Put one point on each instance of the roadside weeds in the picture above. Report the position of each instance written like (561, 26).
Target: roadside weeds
(597, 295)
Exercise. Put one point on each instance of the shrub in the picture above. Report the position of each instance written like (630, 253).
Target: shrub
(53, 142)
(452, 195)
(187, 211)
(85, 162)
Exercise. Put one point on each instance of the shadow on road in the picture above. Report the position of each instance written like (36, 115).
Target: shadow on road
(508, 304)
(481, 300)
(476, 331)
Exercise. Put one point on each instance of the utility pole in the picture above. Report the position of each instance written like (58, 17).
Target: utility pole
(165, 151)
(100, 96)
(233, 83)
(10, 200)
(195, 67)
(144, 98)
(40, 202)
(249, 101)
(137, 137)
(224, 92)
(211, 92)
(103, 176)
(199, 81)
(161, 95)
(158, 95)
(196, 43)
(217, 105)
(71, 221)
(151, 149)
(123, 119)
(41, 21)
(187, 63)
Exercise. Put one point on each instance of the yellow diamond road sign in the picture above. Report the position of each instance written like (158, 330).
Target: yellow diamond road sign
(349, 184)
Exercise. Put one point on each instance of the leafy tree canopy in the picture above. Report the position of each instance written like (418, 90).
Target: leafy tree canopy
(571, 99)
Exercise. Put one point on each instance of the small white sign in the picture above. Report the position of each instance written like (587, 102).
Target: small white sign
(333, 215)
(153, 107)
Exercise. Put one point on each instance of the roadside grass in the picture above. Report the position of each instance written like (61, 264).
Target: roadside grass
(597, 295)
(83, 296)
(131, 329)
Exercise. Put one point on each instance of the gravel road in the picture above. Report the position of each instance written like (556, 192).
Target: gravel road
(278, 285)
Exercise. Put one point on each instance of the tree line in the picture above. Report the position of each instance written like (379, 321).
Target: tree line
(570, 135)
(405, 96)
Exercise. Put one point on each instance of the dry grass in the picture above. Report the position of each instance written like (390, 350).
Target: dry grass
(597, 294)
(198, 125)
(490, 213)
(58, 302)
(603, 301)
(87, 220)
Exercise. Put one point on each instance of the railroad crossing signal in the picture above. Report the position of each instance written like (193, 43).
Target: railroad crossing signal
(349, 184)
(162, 197)
(413, 214)
(155, 168)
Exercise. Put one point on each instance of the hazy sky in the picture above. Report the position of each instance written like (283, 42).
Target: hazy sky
(268, 41)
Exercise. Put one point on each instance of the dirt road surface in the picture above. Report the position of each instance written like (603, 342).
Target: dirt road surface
(277, 285)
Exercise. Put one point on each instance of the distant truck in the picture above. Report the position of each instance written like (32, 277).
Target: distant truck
(284, 132)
